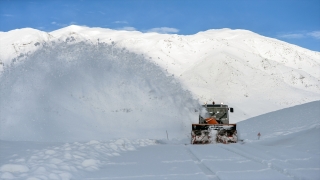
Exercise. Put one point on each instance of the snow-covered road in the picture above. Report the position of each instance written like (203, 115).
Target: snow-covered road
(236, 161)
(146, 159)
(287, 150)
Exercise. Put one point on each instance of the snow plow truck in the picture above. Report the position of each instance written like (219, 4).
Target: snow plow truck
(214, 126)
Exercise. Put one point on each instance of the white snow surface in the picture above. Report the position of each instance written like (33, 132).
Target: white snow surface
(94, 103)
(231, 66)
(289, 148)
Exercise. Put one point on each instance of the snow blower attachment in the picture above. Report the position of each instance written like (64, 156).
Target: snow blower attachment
(214, 126)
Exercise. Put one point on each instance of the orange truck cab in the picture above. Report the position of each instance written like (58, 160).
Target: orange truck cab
(211, 120)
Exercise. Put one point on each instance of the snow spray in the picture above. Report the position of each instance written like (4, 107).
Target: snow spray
(81, 92)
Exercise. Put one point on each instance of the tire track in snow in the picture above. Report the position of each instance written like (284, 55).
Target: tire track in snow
(259, 160)
(210, 174)
(143, 177)
(286, 162)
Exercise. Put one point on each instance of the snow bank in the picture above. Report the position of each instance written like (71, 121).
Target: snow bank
(79, 92)
(294, 122)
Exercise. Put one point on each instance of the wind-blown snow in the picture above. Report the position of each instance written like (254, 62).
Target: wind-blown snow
(79, 92)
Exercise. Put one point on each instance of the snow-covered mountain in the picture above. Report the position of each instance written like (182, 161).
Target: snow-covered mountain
(252, 73)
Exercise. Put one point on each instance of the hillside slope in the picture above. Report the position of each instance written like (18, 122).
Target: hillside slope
(236, 67)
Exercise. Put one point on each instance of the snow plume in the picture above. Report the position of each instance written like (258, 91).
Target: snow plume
(79, 92)
(204, 113)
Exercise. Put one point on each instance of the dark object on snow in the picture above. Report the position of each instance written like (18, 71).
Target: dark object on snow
(215, 128)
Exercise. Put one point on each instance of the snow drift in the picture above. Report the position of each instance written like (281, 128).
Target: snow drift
(295, 126)
(80, 92)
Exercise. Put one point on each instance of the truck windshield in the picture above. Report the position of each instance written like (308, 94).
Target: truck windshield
(218, 113)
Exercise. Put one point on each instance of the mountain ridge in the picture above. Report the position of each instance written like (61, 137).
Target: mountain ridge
(236, 67)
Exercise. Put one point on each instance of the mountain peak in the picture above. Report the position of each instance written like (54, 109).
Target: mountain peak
(233, 66)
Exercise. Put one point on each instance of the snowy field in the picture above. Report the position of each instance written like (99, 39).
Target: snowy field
(74, 106)
(286, 150)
